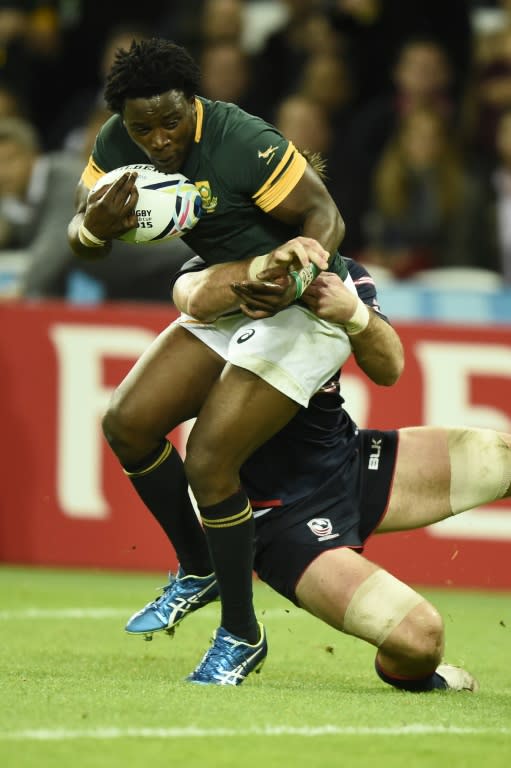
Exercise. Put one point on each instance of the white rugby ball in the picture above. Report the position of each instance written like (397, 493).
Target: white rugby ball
(169, 205)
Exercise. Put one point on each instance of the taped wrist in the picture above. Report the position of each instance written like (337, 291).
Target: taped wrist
(88, 239)
(359, 320)
(304, 277)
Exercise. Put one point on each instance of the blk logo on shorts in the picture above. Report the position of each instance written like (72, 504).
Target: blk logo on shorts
(322, 528)
(245, 336)
(374, 456)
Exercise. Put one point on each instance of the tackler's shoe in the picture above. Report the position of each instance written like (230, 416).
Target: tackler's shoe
(180, 597)
(457, 679)
(230, 659)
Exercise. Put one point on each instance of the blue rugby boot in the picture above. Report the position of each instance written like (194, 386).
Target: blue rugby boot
(180, 597)
(230, 659)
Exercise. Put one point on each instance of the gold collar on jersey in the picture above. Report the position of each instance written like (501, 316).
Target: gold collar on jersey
(209, 203)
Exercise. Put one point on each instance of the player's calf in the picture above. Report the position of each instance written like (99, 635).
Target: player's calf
(445, 677)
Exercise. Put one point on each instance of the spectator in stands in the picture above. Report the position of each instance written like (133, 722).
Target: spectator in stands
(11, 103)
(421, 77)
(280, 62)
(226, 73)
(490, 93)
(197, 24)
(68, 127)
(326, 80)
(36, 198)
(308, 125)
(427, 210)
(30, 44)
(221, 21)
(86, 26)
(304, 122)
(498, 207)
(373, 31)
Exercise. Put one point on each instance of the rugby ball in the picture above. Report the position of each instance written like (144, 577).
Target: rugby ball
(169, 205)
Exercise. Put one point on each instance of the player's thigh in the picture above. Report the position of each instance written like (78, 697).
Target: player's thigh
(329, 582)
(169, 382)
(241, 412)
(352, 594)
(420, 492)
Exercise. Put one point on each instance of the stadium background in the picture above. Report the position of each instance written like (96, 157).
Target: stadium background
(64, 500)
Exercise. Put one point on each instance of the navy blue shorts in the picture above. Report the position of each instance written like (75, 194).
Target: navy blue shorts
(343, 512)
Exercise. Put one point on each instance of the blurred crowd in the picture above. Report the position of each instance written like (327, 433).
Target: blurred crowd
(409, 102)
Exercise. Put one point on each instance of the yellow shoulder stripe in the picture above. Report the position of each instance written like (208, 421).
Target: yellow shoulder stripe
(91, 174)
(284, 178)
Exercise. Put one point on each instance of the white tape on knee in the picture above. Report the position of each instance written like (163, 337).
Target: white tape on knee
(379, 604)
(480, 467)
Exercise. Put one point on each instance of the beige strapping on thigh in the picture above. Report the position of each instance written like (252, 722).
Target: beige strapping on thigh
(379, 604)
(480, 467)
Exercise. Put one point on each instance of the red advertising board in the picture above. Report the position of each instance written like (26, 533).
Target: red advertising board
(66, 502)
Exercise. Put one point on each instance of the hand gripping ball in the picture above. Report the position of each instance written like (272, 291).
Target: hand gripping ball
(169, 204)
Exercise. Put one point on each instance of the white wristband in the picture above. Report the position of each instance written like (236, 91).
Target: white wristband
(359, 320)
(88, 239)
(257, 265)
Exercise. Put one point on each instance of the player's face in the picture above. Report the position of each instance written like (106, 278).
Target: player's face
(163, 126)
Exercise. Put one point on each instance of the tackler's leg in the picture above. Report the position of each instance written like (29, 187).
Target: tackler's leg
(445, 471)
(359, 598)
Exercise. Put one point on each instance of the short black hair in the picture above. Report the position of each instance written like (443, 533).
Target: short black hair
(149, 68)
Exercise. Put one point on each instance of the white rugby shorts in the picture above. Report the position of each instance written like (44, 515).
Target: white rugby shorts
(294, 351)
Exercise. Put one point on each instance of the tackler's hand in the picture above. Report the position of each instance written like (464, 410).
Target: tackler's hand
(329, 298)
(274, 291)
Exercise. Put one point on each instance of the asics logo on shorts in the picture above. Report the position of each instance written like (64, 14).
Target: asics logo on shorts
(322, 528)
(245, 336)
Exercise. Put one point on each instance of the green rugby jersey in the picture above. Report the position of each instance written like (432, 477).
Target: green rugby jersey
(243, 168)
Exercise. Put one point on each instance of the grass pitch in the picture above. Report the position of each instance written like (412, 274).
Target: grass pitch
(78, 692)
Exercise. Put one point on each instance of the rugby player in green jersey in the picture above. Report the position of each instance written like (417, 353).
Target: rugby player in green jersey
(264, 205)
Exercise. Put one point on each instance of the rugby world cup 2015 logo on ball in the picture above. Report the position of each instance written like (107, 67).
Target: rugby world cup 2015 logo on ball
(169, 205)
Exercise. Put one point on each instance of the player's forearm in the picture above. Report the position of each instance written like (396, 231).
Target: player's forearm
(310, 207)
(207, 294)
(327, 229)
(378, 351)
(210, 293)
